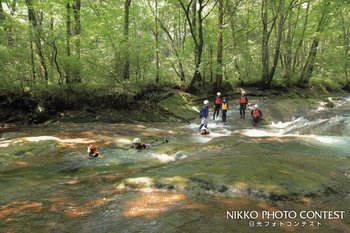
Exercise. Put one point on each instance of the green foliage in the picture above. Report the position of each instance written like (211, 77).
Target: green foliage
(103, 48)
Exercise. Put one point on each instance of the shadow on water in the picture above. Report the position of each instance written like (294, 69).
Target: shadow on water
(184, 183)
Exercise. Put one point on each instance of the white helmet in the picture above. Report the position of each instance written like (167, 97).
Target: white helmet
(218, 94)
(256, 106)
(243, 92)
(206, 102)
(204, 129)
(136, 140)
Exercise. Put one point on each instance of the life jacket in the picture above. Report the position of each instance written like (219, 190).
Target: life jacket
(243, 100)
(140, 146)
(224, 106)
(218, 100)
(256, 112)
(202, 112)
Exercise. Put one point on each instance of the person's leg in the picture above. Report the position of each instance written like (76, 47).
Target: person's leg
(200, 126)
(257, 120)
(243, 109)
(253, 122)
(224, 115)
(217, 107)
(203, 121)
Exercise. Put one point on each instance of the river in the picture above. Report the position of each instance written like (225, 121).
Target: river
(185, 182)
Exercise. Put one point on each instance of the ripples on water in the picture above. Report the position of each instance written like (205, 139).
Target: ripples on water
(46, 170)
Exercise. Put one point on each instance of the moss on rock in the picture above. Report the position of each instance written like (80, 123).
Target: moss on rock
(180, 104)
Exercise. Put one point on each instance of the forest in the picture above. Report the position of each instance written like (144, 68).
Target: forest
(187, 43)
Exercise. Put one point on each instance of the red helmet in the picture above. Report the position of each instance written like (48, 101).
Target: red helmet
(92, 149)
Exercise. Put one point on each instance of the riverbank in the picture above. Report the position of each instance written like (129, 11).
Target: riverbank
(148, 104)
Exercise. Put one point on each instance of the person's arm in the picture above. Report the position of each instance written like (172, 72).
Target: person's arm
(260, 113)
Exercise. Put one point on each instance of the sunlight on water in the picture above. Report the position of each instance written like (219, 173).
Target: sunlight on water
(152, 204)
(163, 157)
(45, 138)
(124, 141)
(333, 140)
(51, 138)
(262, 133)
(5, 143)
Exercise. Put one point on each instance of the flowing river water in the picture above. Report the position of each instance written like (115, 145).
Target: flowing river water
(185, 182)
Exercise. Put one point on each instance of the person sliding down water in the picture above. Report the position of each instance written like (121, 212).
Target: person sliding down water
(138, 145)
(217, 105)
(224, 108)
(204, 131)
(243, 101)
(92, 151)
(256, 115)
(203, 114)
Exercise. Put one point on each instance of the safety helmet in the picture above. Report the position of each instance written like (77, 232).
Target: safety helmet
(91, 148)
(204, 129)
(223, 98)
(243, 92)
(136, 140)
(218, 94)
(206, 102)
(256, 106)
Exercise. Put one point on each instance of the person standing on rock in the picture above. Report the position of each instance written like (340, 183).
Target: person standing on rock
(256, 115)
(243, 101)
(224, 108)
(217, 105)
(203, 114)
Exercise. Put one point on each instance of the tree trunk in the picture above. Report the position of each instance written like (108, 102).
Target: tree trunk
(126, 72)
(68, 46)
(218, 83)
(157, 43)
(310, 61)
(32, 62)
(37, 39)
(264, 46)
(76, 34)
(346, 43)
(197, 36)
(181, 72)
(280, 28)
(8, 29)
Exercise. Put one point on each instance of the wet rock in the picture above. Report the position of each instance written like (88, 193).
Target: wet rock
(202, 183)
(165, 186)
(179, 155)
(310, 194)
(327, 190)
(330, 104)
(153, 223)
(274, 197)
(222, 189)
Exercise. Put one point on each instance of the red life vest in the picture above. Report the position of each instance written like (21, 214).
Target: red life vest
(92, 149)
(243, 100)
(256, 112)
(218, 100)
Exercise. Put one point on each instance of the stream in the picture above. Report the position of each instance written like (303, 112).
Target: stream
(185, 182)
